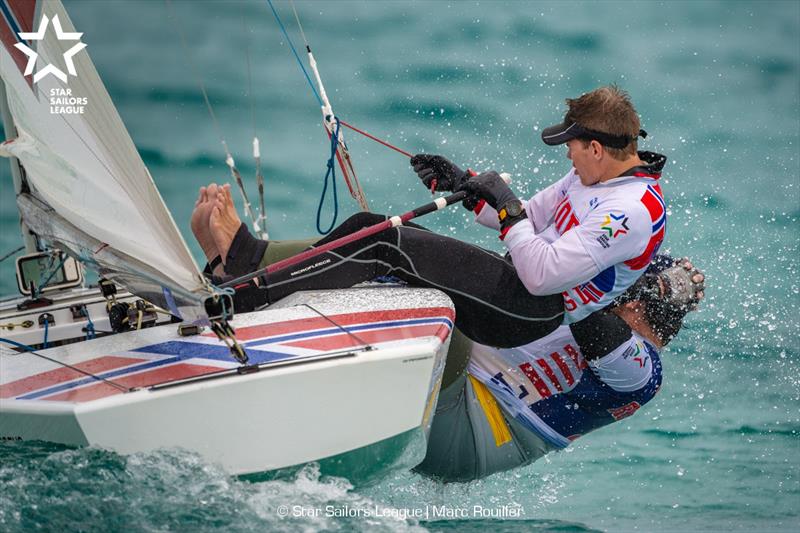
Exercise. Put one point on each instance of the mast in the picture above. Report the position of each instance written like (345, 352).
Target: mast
(17, 174)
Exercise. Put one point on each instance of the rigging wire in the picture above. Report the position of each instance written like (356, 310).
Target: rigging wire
(262, 214)
(376, 139)
(296, 55)
(308, 78)
(228, 157)
(342, 154)
(52, 270)
(32, 351)
(12, 252)
(352, 335)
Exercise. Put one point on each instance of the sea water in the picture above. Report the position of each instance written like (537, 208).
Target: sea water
(718, 87)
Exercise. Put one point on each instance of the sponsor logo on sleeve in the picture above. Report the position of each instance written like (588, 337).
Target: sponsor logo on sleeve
(613, 226)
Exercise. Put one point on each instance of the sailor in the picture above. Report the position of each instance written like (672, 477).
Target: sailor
(512, 406)
(573, 247)
(590, 235)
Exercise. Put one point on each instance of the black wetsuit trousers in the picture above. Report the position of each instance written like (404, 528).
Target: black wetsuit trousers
(493, 307)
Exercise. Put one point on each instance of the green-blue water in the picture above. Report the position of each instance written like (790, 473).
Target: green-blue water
(718, 88)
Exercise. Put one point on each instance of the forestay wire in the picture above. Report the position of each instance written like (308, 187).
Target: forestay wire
(294, 51)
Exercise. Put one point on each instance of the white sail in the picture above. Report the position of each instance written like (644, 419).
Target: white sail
(84, 165)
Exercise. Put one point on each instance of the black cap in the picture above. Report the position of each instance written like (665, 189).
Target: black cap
(568, 130)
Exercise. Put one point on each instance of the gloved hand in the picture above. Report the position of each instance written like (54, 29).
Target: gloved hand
(491, 187)
(683, 284)
(438, 173)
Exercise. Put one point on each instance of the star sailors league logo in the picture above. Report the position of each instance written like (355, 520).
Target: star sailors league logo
(613, 225)
(62, 101)
(61, 35)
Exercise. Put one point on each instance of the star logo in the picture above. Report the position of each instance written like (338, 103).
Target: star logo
(615, 225)
(61, 35)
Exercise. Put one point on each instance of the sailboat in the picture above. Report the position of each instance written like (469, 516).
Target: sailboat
(152, 356)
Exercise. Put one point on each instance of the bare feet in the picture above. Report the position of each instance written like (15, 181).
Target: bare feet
(224, 221)
(200, 217)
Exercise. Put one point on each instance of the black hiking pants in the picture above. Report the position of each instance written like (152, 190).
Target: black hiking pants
(493, 307)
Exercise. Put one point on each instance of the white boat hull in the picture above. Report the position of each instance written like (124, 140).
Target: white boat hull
(321, 396)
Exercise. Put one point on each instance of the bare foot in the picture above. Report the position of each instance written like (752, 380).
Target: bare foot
(200, 217)
(224, 221)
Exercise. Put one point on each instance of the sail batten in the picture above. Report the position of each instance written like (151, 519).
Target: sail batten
(84, 166)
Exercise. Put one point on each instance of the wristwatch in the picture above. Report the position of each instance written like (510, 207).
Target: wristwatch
(511, 209)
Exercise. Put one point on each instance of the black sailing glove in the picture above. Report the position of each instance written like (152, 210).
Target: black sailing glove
(490, 187)
(438, 173)
(679, 285)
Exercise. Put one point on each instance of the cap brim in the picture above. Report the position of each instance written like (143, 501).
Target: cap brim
(560, 133)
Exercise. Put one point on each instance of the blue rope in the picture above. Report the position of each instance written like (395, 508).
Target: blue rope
(17, 344)
(46, 329)
(332, 173)
(296, 55)
(90, 333)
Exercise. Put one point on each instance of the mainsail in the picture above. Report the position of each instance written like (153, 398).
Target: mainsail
(90, 192)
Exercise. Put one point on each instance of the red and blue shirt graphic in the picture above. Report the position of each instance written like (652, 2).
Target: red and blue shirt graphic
(550, 388)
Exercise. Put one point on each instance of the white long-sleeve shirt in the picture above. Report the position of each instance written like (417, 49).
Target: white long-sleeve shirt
(589, 243)
(550, 387)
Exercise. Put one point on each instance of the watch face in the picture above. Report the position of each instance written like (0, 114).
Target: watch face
(514, 209)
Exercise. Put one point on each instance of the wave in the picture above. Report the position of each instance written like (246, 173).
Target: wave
(560, 41)
(507, 526)
(671, 434)
(791, 431)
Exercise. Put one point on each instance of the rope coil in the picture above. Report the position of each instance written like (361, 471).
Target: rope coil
(332, 173)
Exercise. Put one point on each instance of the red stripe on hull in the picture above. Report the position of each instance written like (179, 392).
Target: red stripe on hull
(310, 324)
(62, 375)
(342, 341)
(144, 379)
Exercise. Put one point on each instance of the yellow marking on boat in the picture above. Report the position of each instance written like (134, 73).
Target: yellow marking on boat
(497, 422)
(434, 393)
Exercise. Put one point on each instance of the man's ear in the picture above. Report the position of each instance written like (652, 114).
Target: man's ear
(597, 149)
